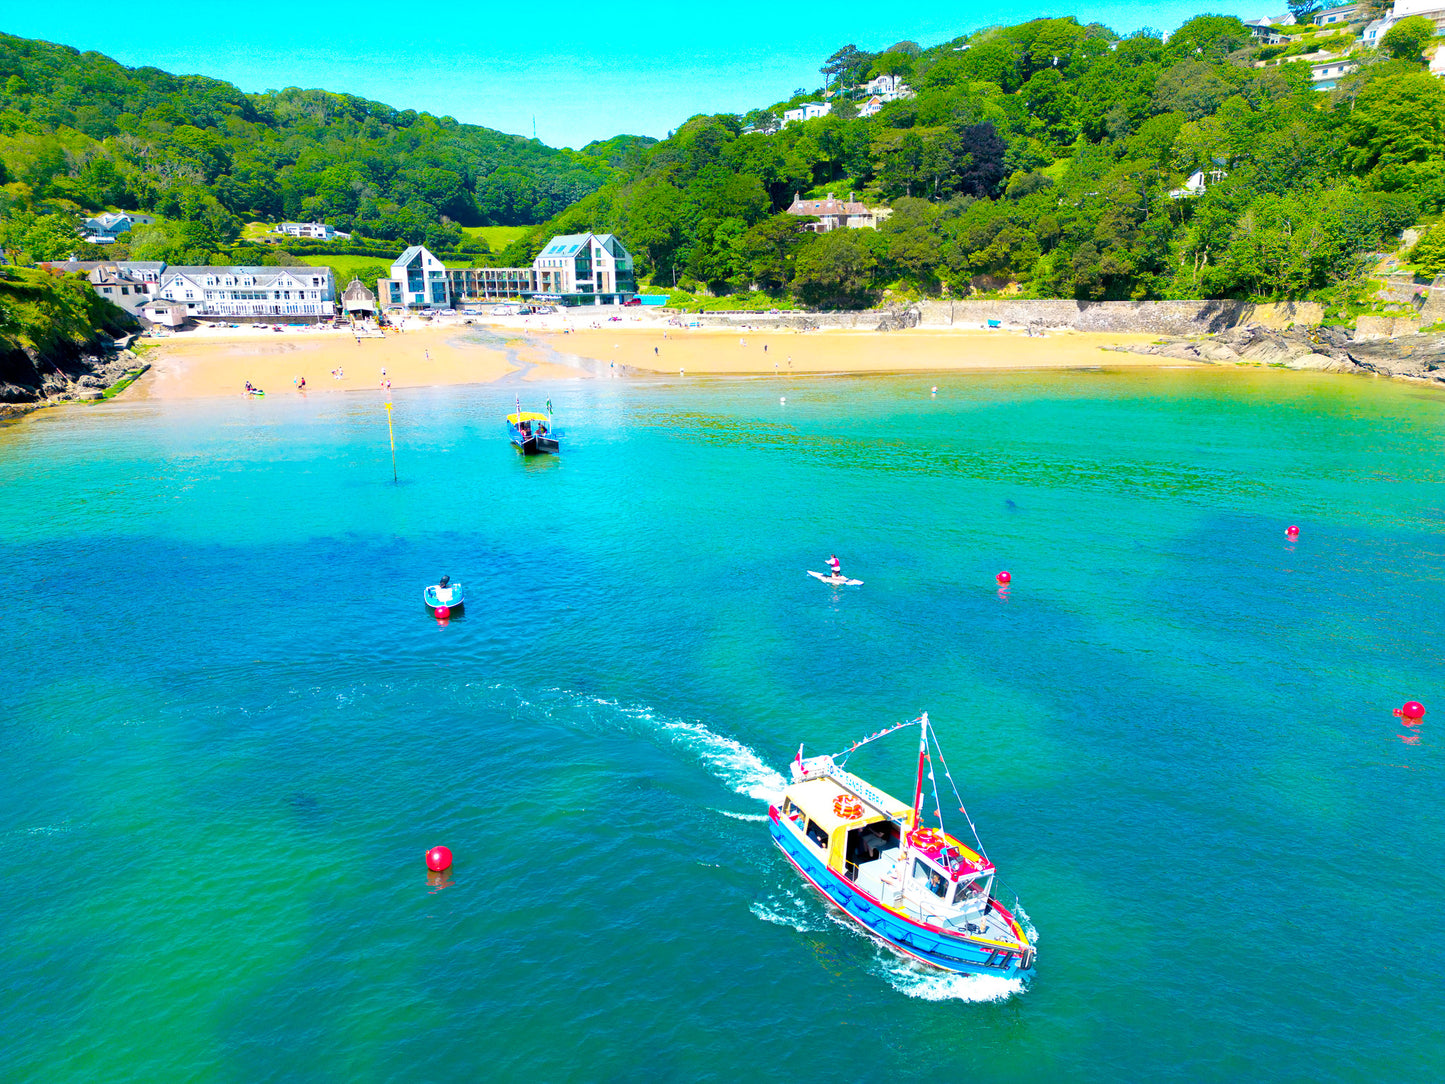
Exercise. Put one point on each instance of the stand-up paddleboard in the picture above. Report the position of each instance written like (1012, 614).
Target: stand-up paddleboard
(836, 581)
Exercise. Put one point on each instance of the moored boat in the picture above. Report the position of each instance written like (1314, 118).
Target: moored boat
(445, 595)
(914, 887)
(531, 432)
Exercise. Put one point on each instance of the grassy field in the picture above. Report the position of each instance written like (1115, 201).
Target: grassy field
(496, 237)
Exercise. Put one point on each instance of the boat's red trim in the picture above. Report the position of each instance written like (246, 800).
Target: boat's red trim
(935, 930)
(875, 935)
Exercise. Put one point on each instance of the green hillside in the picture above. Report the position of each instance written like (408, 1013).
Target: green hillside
(1040, 158)
(80, 132)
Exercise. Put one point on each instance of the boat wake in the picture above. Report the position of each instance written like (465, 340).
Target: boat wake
(734, 764)
(758, 817)
(925, 983)
(928, 985)
(785, 909)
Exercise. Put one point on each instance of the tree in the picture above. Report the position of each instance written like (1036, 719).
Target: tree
(1303, 9)
(1406, 39)
(835, 267)
(1396, 121)
(1428, 255)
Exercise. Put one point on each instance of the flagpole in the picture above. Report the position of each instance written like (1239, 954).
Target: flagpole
(392, 434)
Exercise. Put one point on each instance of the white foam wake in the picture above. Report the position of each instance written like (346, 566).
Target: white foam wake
(731, 761)
(785, 909)
(929, 985)
(742, 816)
(737, 766)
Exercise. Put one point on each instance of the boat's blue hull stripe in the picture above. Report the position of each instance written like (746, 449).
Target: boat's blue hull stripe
(948, 953)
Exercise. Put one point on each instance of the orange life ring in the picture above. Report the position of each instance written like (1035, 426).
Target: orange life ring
(927, 838)
(847, 808)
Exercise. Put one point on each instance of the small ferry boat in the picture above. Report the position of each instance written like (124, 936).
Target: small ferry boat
(445, 594)
(918, 889)
(531, 432)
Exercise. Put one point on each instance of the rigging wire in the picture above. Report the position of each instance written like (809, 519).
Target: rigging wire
(841, 758)
(956, 795)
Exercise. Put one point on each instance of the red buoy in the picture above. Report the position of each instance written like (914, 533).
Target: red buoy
(1003, 577)
(443, 612)
(1292, 531)
(1413, 710)
(438, 859)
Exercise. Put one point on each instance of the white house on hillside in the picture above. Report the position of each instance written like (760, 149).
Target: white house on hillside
(314, 231)
(888, 88)
(1342, 13)
(103, 229)
(1434, 10)
(807, 111)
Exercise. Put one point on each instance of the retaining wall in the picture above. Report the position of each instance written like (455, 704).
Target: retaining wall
(1147, 317)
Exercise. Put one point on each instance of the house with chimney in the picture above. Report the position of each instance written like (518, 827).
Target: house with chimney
(837, 214)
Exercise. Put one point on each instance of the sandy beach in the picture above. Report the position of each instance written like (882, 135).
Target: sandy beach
(218, 362)
(717, 351)
(212, 363)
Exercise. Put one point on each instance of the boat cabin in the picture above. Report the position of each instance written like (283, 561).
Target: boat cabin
(861, 838)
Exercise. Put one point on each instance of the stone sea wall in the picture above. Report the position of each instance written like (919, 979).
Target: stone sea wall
(1119, 317)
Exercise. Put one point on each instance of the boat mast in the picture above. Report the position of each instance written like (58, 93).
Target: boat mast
(922, 755)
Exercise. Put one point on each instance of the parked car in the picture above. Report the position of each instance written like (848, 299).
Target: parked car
(633, 301)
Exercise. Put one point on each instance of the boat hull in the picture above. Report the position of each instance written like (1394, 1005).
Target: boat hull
(944, 951)
(535, 445)
(429, 599)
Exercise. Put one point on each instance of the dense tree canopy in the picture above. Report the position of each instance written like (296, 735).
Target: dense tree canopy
(79, 131)
(1053, 155)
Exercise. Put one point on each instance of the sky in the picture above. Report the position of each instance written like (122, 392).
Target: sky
(579, 71)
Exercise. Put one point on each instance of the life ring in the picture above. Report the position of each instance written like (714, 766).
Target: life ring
(846, 807)
(927, 838)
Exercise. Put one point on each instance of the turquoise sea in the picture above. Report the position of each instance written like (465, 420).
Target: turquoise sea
(229, 731)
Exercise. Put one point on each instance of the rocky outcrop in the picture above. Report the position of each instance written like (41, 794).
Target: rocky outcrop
(28, 381)
(1325, 349)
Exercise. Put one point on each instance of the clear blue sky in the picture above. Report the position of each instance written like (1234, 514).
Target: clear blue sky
(584, 70)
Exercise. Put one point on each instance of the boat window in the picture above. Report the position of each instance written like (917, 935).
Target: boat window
(936, 882)
(817, 835)
(792, 811)
(967, 890)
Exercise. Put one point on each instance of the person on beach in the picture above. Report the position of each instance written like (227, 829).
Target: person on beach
(835, 565)
(301, 386)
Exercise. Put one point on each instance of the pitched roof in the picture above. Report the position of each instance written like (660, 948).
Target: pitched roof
(357, 291)
(264, 276)
(829, 206)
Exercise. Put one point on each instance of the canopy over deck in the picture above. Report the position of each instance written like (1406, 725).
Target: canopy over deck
(815, 796)
(526, 416)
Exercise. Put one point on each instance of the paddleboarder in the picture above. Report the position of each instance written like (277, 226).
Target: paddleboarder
(833, 564)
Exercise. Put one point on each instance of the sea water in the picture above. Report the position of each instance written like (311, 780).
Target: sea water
(230, 729)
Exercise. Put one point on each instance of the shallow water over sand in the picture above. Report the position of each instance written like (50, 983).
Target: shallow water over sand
(229, 731)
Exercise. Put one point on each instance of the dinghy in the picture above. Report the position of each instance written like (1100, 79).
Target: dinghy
(912, 886)
(438, 596)
(836, 581)
(531, 432)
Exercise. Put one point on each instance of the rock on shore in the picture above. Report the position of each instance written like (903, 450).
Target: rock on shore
(1327, 349)
(28, 381)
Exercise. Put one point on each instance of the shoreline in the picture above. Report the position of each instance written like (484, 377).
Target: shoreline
(217, 363)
